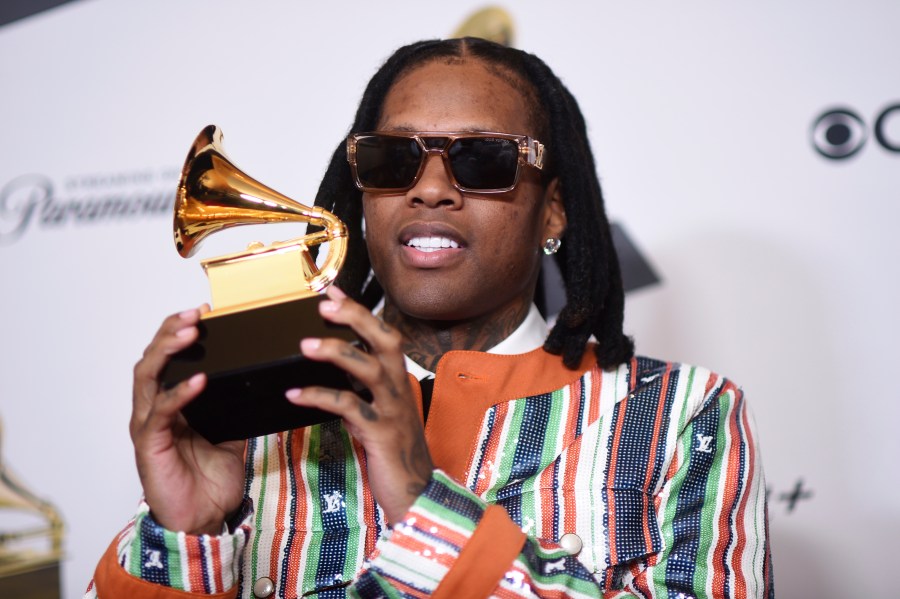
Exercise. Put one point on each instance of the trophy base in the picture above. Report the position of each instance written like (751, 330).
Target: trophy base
(31, 581)
(250, 359)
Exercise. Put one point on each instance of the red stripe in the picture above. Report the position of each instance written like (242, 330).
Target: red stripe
(740, 581)
(573, 453)
(732, 485)
(410, 543)
(449, 535)
(195, 567)
(300, 512)
(282, 505)
(594, 399)
(216, 560)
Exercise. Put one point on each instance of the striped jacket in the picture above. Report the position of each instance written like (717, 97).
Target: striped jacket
(651, 469)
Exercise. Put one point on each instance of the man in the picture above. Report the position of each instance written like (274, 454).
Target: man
(541, 465)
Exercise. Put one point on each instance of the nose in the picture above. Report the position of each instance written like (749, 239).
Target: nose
(435, 188)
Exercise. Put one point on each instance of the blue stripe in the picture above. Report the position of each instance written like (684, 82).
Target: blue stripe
(204, 568)
(451, 499)
(639, 412)
(688, 508)
(153, 541)
(530, 445)
(491, 418)
(248, 465)
(332, 488)
(582, 401)
(527, 457)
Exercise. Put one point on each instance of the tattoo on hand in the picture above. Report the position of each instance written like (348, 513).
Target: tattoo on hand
(367, 412)
(417, 463)
(353, 354)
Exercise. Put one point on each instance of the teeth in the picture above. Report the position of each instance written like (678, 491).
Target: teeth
(431, 244)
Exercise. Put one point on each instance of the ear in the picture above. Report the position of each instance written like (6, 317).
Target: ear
(554, 211)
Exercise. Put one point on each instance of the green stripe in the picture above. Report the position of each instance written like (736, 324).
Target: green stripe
(388, 591)
(508, 455)
(137, 547)
(405, 567)
(562, 578)
(260, 506)
(351, 507)
(527, 505)
(176, 577)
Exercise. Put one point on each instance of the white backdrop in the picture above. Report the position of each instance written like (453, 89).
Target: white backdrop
(777, 263)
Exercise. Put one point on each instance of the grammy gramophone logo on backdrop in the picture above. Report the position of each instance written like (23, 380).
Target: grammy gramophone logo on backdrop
(33, 201)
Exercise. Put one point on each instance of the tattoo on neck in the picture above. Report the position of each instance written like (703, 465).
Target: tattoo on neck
(425, 342)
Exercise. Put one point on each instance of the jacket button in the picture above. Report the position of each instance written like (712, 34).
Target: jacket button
(571, 543)
(264, 587)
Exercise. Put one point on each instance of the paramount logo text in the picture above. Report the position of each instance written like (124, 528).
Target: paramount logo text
(31, 201)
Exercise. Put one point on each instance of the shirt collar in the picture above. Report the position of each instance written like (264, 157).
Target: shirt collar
(528, 336)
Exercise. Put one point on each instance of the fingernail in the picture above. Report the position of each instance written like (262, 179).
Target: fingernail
(195, 380)
(310, 344)
(188, 314)
(185, 332)
(329, 306)
(293, 394)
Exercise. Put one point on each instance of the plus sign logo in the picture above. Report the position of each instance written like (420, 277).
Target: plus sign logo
(792, 497)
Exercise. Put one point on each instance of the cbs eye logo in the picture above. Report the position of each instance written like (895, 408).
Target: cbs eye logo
(840, 133)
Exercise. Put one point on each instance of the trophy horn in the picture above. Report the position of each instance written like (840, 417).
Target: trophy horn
(213, 194)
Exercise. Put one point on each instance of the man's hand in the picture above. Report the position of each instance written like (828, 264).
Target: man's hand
(389, 427)
(190, 484)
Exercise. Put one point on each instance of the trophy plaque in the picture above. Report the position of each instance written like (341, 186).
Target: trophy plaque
(265, 300)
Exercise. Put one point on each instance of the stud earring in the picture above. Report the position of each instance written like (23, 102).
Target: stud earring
(551, 246)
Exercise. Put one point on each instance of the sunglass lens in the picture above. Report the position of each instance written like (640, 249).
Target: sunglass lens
(387, 162)
(484, 162)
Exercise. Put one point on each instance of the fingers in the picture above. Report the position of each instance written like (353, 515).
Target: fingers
(160, 414)
(381, 370)
(379, 374)
(377, 335)
(177, 332)
(345, 404)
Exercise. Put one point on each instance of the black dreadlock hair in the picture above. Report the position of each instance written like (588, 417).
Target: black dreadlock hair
(595, 299)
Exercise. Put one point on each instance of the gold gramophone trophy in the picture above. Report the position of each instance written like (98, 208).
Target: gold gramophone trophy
(264, 299)
(30, 553)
